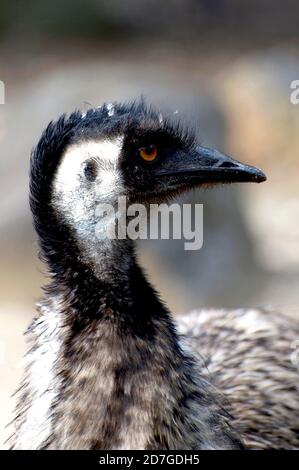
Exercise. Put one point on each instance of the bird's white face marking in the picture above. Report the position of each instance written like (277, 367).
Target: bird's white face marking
(73, 195)
(75, 198)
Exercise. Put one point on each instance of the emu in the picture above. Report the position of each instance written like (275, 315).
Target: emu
(107, 366)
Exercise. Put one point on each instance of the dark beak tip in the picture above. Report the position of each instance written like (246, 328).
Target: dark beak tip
(259, 176)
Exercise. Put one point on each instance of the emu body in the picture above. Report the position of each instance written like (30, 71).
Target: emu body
(249, 356)
(106, 367)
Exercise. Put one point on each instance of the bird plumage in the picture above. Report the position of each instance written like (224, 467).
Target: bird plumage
(108, 372)
(249, 356)
(106, 368)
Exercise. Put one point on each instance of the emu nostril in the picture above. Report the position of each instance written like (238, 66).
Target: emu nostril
(227, 165)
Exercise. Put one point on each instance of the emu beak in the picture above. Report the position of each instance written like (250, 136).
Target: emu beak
(204, 165)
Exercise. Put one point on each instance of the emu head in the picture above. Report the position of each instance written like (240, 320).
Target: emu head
(112, 151)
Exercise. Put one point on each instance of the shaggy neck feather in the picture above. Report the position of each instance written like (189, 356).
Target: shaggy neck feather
(116, 377)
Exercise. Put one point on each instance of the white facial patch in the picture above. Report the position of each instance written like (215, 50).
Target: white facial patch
(76, 197)
(73, 195)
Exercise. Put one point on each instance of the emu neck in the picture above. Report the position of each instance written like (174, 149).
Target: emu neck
(116, 365)
(110, 286)
(107, 372)
(114, 345)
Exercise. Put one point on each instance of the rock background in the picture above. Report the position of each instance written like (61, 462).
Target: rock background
(228, 70)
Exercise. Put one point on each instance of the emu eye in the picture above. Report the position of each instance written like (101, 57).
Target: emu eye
(90, 170)
(148, 153)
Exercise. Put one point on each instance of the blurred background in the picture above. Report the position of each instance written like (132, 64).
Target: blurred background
(226, 66)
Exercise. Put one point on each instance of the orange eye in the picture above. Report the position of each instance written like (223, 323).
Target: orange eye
(149, 153)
